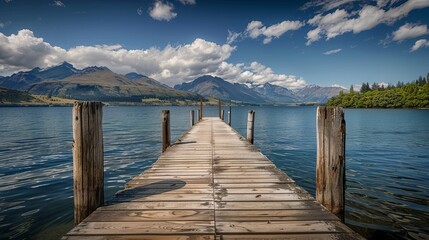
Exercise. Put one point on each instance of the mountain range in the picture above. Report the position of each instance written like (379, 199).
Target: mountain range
(266, 93)
(101, 84)
(91, 83)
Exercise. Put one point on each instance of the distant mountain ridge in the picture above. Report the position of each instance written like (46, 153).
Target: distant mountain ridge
(91, 83)
(267, 93)
(218, 88)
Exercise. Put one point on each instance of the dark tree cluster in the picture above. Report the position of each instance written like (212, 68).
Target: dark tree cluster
(404, 95)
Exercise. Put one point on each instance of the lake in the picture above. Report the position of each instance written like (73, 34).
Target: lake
(387, 156)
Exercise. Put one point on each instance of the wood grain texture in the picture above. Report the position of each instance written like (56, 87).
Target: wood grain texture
(88, 158)
(212, 184)
(330, 167)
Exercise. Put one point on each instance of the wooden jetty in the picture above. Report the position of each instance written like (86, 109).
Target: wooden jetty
(212, 184)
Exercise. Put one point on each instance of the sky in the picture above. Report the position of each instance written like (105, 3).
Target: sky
(286, 43)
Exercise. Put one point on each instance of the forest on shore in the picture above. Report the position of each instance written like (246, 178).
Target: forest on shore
(414, 94)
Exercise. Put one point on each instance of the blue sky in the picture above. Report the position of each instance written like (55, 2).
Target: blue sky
(288, 43)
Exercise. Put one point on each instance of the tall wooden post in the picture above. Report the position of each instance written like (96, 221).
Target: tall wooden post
(219, 105)
(200, 116)
(191, 116)
(229, 116)
(88, 159)
(165, 129)
(331, 162)
(250, 126)
(222, 115)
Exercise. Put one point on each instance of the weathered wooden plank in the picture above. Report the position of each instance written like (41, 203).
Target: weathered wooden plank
(154, 227)
(267, 205)
(271, 227)
(163, 197)
(150, 215)
(186, 205)
(140, 237)
(270, 215)
(304, 236)
(262, 197)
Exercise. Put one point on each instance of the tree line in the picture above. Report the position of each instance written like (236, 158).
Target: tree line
(414, 94)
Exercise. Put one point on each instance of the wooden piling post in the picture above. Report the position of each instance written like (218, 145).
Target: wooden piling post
(331, 163)
(250, 126)
(229, 116)
(219, 104)
(222, 115)
(165, 129)
(191, 115)
(200, 116)
(88, 159)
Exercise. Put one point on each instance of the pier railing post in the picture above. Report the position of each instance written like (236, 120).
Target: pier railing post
(250, 126)
(165, 129)
(229, 116)
(191, 115)
(88, 159)
(330, 167)
(222, 115)
(219, 104)
(200, 116)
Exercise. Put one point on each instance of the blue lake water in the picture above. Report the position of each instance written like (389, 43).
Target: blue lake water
(387, 153)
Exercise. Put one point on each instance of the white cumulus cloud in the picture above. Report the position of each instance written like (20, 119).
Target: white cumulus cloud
(162, 11)
(422, 43)
(369, 16)
(170, 65)
(256, 28)
(409, 31)
(332, 51)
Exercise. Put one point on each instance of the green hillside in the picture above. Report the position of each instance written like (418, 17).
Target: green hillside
(411, 95)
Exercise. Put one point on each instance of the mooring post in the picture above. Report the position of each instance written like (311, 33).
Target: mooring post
(229, 116)
(165, 129)
(222, 115)
(219, 105)
(191, 115)
(88, 159)
(200, 116)
(250, 126)
(331, 162)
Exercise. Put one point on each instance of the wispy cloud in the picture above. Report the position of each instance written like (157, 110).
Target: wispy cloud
(58, 4)
(233, 36)
(326, 5)
(410, 31)
(332, 51)
(139, 11)
(170, 65)
(8, 1)
(422, 43)
(188, 2)
(2, 25)
(162, 11)
(341, 21)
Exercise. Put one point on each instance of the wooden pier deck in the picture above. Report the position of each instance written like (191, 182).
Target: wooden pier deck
(212, 184)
